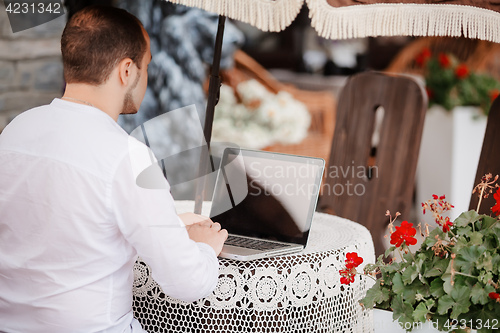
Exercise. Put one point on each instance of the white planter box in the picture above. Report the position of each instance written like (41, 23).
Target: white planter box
(449, 154)
(383, 323)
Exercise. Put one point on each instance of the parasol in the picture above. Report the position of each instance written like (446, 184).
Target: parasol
(342, 19)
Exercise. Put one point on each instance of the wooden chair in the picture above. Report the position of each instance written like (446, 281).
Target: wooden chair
(363, 178)
(489, 160)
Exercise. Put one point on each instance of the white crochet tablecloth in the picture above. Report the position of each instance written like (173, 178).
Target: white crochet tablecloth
(292, 293)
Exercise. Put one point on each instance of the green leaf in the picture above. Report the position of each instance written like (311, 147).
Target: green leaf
(485, 263)
(491, 241)
(438, 267)
(496, 262)
(479, 293)
(380, 259)
(393, 267)
(437, 288)
(488, 221)
(476, 238)
(415, 291)
(402, 311)
(463, 231)
(467, 258)
(430, 240)
(408, 257)
(375, 295)
(409, 274)
(430, 303)
(389, 251)
(420, 313)
(467, 218)
(484, 277)
(444, 304)
(397, 284)
(457, 301)
(462, 303)
(461, 242)
(369, 268)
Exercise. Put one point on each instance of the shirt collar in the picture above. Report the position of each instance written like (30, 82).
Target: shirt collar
(91, 110)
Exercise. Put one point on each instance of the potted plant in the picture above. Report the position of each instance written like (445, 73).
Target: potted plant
(450, 83)
(452, 281)
(459, 100)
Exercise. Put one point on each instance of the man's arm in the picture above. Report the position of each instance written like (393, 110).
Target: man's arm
(185, 268)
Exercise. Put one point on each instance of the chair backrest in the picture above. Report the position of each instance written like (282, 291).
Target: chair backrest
(349, 191)
(489, 160)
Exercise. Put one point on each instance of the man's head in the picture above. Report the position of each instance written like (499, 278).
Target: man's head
(95, 40)
(106, 48)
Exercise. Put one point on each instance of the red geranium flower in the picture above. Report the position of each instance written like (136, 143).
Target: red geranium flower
(423, 57)
(444, 60)
(447, 224)
(494, 296)
(496, 209)
(347, 276)
(404, 233)
(462, 71)
(494, 94)
(352, 260)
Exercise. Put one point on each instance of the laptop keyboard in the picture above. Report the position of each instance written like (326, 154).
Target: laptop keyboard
(255, 244)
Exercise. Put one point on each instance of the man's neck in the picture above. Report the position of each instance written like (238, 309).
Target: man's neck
(100, 97)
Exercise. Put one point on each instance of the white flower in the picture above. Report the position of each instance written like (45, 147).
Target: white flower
(262, 118)
(252, 90)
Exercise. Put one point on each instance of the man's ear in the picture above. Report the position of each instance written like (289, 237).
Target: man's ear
(126, 71)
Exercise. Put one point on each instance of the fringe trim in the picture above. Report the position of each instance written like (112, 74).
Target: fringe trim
(267, 15)
(403, 20)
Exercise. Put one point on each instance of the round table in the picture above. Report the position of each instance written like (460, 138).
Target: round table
(299, 292)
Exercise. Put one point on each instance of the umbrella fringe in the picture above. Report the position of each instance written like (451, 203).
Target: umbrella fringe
(267, 15)
(403, 20)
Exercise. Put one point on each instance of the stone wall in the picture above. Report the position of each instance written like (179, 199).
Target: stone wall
(31, 72)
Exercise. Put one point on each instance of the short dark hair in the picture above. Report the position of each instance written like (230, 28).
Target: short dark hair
(96, 39)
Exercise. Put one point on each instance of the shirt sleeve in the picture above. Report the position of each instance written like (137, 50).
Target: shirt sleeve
(145, 213)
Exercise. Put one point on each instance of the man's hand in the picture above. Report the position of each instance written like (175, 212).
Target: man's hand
(190, 218)
(206, 232)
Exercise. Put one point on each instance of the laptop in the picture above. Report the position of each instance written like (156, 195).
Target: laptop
(266, 201)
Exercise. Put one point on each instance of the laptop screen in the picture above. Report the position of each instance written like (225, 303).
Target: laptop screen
(267, 195)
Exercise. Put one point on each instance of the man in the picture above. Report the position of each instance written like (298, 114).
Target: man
(72, 218)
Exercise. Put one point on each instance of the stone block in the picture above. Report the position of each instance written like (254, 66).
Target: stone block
(7, 75)
(29, 49)
(24, 100)
(42, 75)
(25, 73)
(49, 77)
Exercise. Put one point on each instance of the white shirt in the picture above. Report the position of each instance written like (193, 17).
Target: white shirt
(73, 221)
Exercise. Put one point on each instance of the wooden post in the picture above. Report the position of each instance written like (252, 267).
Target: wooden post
(213, 98)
